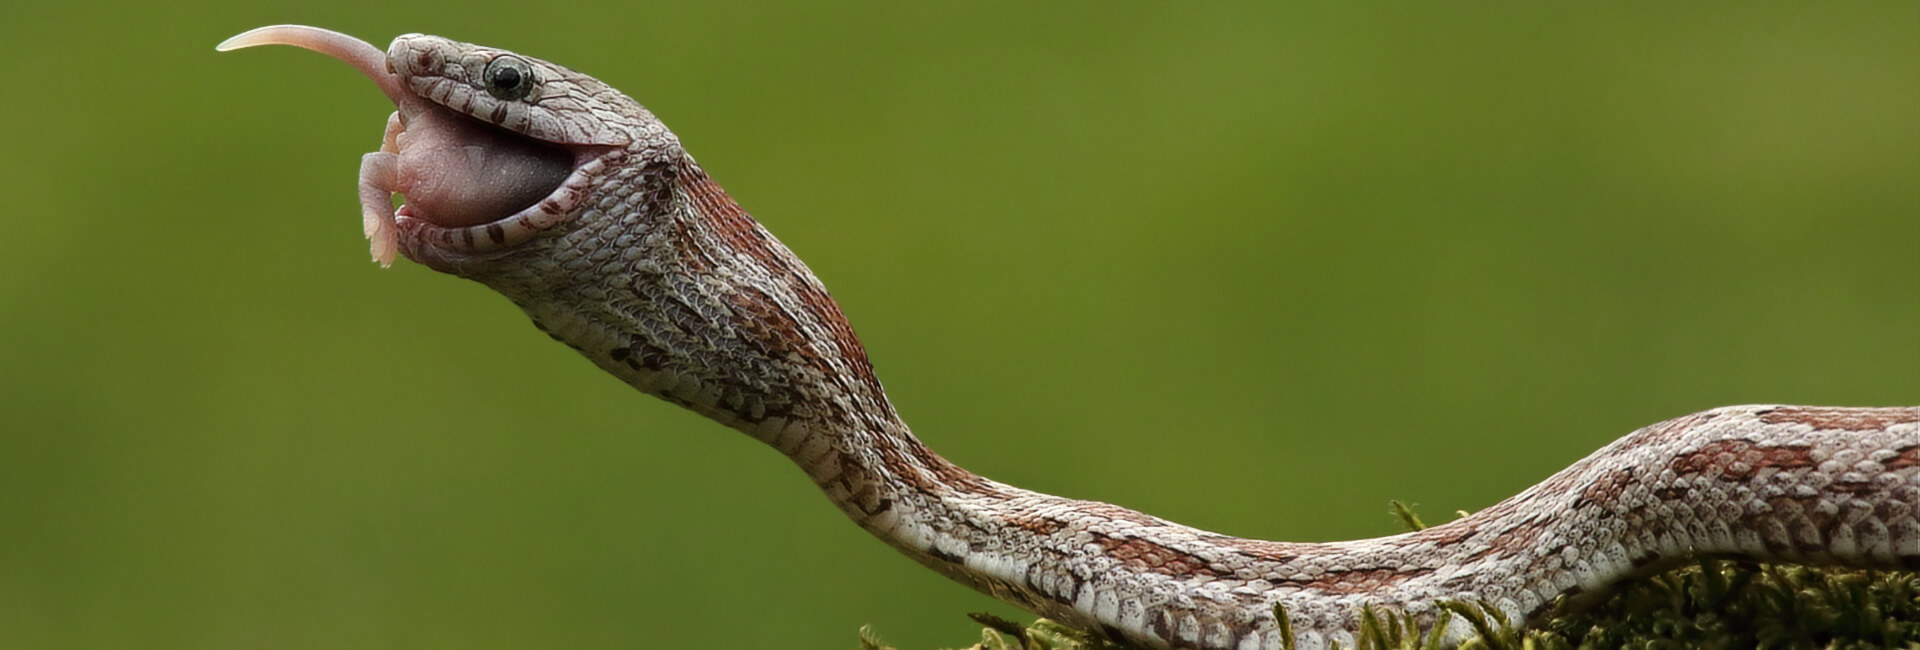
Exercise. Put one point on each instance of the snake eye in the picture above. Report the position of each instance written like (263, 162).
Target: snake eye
(508, 78)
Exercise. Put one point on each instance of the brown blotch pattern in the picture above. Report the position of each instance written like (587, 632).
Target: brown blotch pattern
(1848, 419)
(1036, 524)
(1908, 456)
(1740, 459)
(1142, 554)
(1605, 488)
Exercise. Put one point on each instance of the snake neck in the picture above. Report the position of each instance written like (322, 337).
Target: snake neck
(666, 283)
(670, 286)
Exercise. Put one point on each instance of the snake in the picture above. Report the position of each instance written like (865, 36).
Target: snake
(573, 201)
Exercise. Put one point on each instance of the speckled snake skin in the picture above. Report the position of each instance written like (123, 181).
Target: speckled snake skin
(632, 256)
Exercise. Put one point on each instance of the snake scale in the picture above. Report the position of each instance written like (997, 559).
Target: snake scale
(574, 202)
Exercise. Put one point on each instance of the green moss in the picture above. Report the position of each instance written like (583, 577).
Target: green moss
(1707, 605)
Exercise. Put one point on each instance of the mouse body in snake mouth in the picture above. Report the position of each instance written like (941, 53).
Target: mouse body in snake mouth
(456, 172)
(576, 203)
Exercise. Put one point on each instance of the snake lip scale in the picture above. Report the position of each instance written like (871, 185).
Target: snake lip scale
(574, 202)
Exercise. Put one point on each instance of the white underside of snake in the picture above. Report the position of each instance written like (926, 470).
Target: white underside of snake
(576, 203)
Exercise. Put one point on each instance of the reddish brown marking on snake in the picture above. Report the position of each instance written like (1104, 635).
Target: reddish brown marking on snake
(1739, 459)
(1848, 419)
(731, 224)
(727, 219)
(1909, 457)
(946, 475)
(1142, 554)
(1605, 488)
(1036, 523)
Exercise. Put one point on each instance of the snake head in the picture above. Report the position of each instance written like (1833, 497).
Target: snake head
(576, 203)
(489, 149)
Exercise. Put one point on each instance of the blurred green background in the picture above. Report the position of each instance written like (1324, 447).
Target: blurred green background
(1255, 268)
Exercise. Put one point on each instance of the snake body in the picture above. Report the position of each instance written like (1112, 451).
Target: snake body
(630, 254)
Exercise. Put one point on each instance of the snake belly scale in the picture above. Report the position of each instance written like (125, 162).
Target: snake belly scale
(574, 202)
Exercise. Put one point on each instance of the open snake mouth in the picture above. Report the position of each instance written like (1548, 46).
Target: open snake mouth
(471, 183)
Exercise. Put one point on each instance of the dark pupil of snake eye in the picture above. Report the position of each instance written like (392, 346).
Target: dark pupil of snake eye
(506, 77)
(507, 80)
